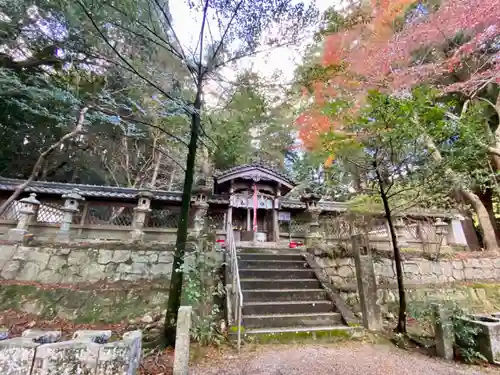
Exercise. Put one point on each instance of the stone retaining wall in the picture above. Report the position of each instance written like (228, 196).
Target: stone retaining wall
(417, 270)
(88, 352)
(97, 302)
(479, 297)
(84, 262)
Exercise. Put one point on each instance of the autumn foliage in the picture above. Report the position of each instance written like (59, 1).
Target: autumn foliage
(425, 49)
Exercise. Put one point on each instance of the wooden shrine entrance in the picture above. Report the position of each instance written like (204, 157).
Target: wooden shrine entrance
(254, 200)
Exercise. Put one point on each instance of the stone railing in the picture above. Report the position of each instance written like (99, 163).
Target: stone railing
(428, 234)
(88, 352)
(77, 217)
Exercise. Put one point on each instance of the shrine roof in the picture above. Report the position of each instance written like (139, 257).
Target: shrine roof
(256, 172)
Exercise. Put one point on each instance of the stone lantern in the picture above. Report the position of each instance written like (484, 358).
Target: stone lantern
(313, 210)
(200, 206)
(441, 231)
(71, 201)
(143, 208)
(29, 207)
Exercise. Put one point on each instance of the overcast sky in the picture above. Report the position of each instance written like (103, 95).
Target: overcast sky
(187, 26)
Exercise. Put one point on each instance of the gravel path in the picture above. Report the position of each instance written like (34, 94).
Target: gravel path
(348, 359)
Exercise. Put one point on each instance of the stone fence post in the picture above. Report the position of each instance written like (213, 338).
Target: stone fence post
(443, 328)
(29, 207)
(182, 340)
(367, 283)
(140, 212)
(70, 208)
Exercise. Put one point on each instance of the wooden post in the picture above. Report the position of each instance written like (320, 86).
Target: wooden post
(85, 210)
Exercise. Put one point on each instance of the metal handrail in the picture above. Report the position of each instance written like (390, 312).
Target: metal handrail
(237, 294)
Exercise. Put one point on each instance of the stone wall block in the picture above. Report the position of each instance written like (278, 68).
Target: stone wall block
(6, 254)
(22, 253)
(165, 257)
(120, 256)
(105, 256)
(67, 357)
(458, 274)
(10, 270)
(40, 258)
(121, 357)
(16, 356)
(28, 272)
(144, 257)
(56, 262)
(77, 257)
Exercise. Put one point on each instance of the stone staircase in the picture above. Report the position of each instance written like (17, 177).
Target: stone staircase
(283, 297)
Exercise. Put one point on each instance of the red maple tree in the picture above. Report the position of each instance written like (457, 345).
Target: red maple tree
(375, 55)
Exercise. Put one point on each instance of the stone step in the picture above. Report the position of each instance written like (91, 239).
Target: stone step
(300, 334)
(284, 295)
(277, 273)
(292, 320)
(272, 264)
(263, 250)
(256, 283)
(270, 256)
(287, 307)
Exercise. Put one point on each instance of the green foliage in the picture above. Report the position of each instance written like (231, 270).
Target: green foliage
(202, 289)
(334, 21)
(383, 149)
(317, 73)
(466, 335)
(250, 126)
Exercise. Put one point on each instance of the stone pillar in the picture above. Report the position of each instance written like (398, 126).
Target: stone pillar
(200, 207)
(29, 207)
(70, 208)
(140, 212)
(443, 327)
(181, 354)
(313, 237)
(367, 284)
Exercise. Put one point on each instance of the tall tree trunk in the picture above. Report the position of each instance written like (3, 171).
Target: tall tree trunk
(401, 327)
(486, 198)
(41, 159)
(487, 229)
(174, 299)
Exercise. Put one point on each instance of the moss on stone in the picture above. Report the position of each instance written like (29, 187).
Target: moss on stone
(301, 336)
(82, 306)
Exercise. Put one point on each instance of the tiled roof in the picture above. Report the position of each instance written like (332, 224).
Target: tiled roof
(95, 191)
(279, 173)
